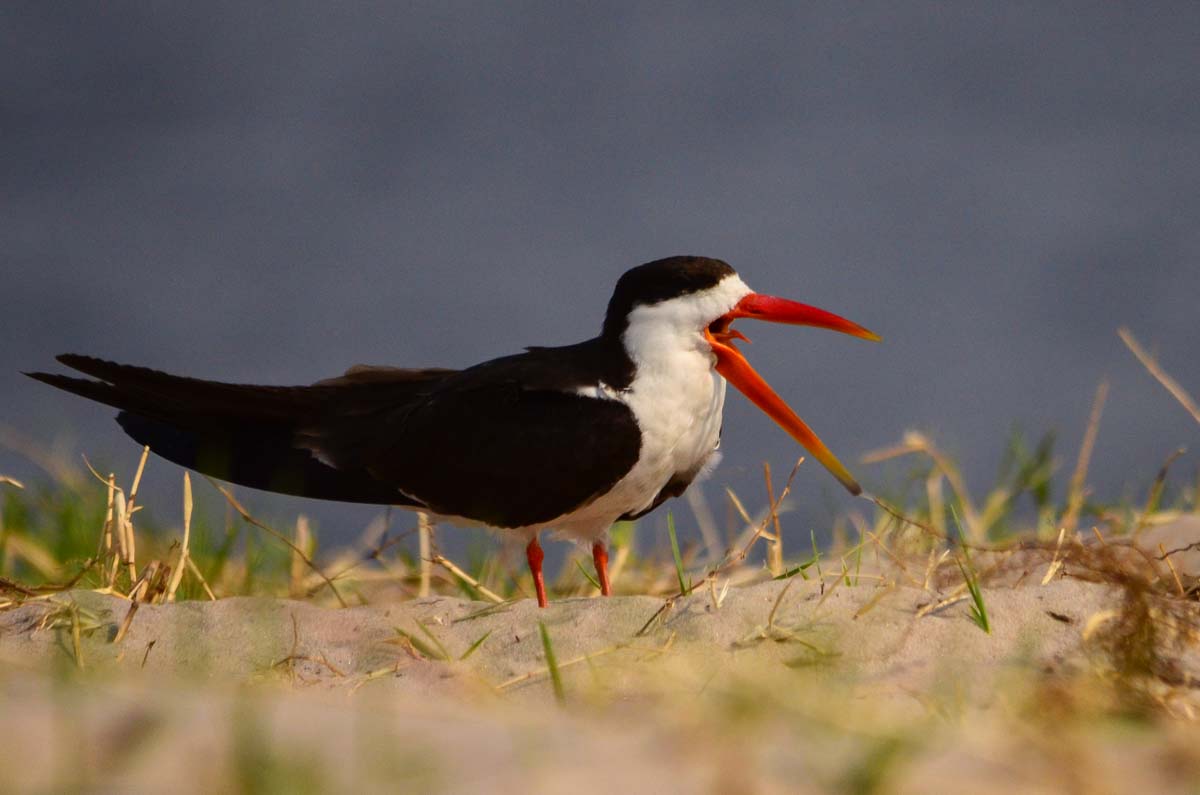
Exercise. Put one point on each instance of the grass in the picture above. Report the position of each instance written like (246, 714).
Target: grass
(88, 533)
(685, 585)
(798, 701)
(978, 609)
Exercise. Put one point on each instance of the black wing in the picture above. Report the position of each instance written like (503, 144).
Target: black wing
(508, 442)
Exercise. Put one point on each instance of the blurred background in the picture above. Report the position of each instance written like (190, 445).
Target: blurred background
(272, 192)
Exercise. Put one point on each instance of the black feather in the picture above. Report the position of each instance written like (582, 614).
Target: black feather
(508, 442)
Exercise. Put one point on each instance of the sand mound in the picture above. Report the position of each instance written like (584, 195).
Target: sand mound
(782, 686)
(876, 633)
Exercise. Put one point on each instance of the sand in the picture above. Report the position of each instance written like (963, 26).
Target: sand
(787, 686)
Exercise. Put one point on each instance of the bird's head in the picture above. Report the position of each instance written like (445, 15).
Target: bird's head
(691, 303)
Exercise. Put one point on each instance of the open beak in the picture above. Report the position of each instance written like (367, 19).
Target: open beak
(737, 371)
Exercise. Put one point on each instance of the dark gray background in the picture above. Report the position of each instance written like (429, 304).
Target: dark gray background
(272, 192)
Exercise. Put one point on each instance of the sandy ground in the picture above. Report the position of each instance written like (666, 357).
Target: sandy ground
(787, 686)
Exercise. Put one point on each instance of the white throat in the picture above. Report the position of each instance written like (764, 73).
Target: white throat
(676, 396)
(657, 334)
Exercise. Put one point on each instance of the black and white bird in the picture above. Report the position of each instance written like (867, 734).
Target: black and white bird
(570, 438)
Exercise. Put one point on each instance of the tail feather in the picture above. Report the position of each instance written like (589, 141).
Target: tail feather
(247, 434)
(92, 390)
(209, 398)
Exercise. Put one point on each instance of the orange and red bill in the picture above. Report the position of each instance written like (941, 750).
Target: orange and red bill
(736, 370)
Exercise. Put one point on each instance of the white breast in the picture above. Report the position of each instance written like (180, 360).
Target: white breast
(676, 397)
(679, 414)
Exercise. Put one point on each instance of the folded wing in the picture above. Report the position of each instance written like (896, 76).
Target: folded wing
(482, 443)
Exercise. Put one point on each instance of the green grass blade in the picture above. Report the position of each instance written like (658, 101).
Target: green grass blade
(816, 558)
(587, 574)
(476, 645)
(425, 649)
(978, 611)
(800, 569)
(445, 655)
(552, 665)
(684, 587)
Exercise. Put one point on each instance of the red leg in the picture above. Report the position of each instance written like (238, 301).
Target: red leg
(534, 554)
(600, 557)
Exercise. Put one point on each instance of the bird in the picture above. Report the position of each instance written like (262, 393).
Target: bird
(569, 438)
